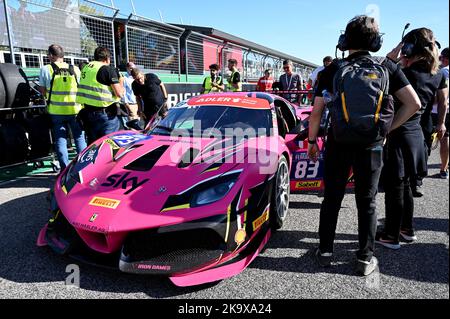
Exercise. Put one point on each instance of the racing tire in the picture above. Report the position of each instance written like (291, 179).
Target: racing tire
(16, 86)
(38, 129)
(279, 204)
(13, 142)
(2, 94)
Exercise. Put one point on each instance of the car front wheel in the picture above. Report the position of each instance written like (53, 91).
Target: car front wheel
(280, 195)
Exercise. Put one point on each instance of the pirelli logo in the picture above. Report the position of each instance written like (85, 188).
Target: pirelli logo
(260, 220)
(104, 202)
(310, 184)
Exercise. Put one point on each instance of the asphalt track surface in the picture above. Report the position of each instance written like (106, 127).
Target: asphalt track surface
(286, 270)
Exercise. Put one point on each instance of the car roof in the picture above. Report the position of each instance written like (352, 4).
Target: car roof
(261, 101)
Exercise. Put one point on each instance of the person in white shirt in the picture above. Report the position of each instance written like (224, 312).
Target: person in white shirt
(313, 76)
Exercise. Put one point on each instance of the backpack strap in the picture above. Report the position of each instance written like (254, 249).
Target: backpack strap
(56, 69)
(72, 73)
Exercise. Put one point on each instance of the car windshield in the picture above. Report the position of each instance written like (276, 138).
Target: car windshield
(207, 120)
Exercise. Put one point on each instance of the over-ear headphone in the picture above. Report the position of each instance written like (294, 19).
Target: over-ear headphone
(410, 48)
(374, 46)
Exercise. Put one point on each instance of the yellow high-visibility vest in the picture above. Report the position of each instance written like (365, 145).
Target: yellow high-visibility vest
(90, 91)
(63, 90)
(208, 84)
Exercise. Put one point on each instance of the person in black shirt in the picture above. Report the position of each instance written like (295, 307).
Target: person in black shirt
(406, 148)
(150, 93)
(366, 162)
(101, 121)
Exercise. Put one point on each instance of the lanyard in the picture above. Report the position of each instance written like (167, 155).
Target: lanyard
(290, 81)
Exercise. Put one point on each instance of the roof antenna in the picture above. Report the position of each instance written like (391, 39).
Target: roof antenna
(161, 16)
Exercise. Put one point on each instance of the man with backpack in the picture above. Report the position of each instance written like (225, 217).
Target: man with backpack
(357, 90)
(58, 82)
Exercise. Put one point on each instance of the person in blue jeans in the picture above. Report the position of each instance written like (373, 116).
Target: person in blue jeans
(58, 82)
(60, 125)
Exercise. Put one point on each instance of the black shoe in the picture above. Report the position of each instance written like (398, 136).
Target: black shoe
(387, 241)
(417, 191)
(407, 235)
(324, 259)
(365, 268)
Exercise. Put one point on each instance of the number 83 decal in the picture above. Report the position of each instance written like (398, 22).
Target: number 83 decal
(307, 169)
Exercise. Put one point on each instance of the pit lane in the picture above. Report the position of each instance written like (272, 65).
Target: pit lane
(286, 269)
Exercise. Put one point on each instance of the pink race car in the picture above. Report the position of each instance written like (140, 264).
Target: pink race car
(195, 197)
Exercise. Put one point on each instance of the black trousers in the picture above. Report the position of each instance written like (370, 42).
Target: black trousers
(399, 203)
(366, 164)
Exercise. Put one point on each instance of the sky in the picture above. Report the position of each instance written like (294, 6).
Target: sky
(305, 29)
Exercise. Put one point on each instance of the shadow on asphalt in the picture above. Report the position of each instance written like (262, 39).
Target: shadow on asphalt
(428, 224)
(303, 205)
(23, 262)
(416, 261)
(36, 181)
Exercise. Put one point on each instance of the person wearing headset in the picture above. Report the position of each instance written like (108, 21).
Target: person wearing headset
(406, 149)
(361, 36)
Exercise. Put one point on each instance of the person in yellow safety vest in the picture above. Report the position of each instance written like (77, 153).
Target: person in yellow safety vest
(58, 83)
(234, 82)
(100, 91)
(214, 82)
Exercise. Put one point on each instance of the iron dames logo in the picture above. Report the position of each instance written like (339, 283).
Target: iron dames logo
(129, 184)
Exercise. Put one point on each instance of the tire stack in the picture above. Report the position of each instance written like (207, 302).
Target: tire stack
(24, 134)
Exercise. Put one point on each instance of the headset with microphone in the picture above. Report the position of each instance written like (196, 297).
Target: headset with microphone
(410, 47)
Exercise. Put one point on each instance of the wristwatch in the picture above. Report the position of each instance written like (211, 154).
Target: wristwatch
(312, 141)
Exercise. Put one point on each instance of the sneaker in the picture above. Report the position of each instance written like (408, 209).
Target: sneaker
(324, 259)
(417, 191)
(386, 241)
(365, 268)
(408, 235)
(444, 174)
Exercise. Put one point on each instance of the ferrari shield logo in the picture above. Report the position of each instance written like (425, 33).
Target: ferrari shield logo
(93, 218)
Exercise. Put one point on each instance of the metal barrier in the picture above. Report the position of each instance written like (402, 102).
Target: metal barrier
(153, 46)
(175, 53)
(32, 25)
(201, 52)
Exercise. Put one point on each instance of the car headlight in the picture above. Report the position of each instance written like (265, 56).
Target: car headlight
(212, 194)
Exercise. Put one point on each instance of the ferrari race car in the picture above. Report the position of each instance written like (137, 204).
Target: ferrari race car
(194, 198)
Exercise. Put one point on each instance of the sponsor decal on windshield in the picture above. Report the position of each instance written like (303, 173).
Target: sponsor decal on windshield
(127, 139)
(243, 102)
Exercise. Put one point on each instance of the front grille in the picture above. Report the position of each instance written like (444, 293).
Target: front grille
(182, 250)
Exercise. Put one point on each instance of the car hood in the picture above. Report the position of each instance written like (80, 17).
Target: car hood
(120, 181)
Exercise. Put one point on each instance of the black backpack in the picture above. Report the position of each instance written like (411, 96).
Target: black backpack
(362, 109)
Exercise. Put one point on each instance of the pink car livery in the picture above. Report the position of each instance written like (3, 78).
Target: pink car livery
(194, 198)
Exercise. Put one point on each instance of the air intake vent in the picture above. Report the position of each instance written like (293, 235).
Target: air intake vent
(188, 157)
(147, 161)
